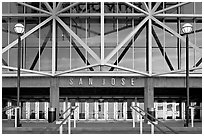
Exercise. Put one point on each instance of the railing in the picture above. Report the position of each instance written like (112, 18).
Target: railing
(15, 108)
(144, 114)
(60, 126)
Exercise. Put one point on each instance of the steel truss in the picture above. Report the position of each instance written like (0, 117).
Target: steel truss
(150, 16)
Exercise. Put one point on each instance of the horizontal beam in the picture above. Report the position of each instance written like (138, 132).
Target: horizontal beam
(28, 71)
(76, 69)
(179, 15)
(137, 8)
(25, 15)
(127, 69)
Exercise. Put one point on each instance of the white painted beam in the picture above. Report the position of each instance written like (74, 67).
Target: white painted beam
(178, 35)
(26, 34)
(35, 8)
(90, 51)
(53, 45)
(155, 7)
(29, 71)
(48, 6)
(102, 33)
(137, 8)
(126, 39)
(70, 6)
(169, 8)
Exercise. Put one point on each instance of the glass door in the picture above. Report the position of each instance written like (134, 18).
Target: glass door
(100, 110)
(81, 110)
(111, 110)
(32, 110)
(120, 111)
(92, 110)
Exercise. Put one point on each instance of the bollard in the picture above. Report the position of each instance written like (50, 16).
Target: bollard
(140, 124)
(69, 125)
(152, 129)
(133, 121)
(15, 124)
(74, 120)
(192, 116)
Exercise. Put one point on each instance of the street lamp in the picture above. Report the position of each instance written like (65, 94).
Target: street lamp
(186, 29)
(19, 29)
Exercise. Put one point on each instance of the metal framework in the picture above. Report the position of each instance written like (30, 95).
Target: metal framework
(150, 14)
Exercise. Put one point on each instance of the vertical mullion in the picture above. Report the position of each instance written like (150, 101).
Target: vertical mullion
(86, 54)
(150, 45)
(117, 35)
(194, 25)
(8, 36)
(102, 32)
(53, 45)
(133, 43)
(39, 44)
(70, 45)
(179, 41)
(164, 43)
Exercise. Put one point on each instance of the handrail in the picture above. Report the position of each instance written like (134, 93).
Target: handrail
(72, 110)
(48, 127)
(154, 118)
(148, 119)
(9, 108)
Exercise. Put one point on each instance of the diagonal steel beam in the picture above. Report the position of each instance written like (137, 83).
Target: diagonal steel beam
(70, 6)
(137, 8)
(26, 34)
(198, 63)
(127, 38)
(169, 8)
(58, 6)
(156, 6)
(177, 35)
(41, 50)
(77, 50)
(119, 29)
(162, 50)
(48, 6)
(85, 46)
(127, 48)
(4, 62)
(145, 6)
(35, 8)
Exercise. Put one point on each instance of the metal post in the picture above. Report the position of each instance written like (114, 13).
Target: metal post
(61, 129)
(152, 129)
(74, 119)
(187, 81)
(69, 125)
(192, 117)
(133, 121)
(18, 78)
(140, 124)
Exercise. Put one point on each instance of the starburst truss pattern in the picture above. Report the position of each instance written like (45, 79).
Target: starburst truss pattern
(150, 14)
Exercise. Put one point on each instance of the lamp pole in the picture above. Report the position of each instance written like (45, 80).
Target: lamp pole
(187, 28)
(187, 80)
(19, 29)
(18, 79)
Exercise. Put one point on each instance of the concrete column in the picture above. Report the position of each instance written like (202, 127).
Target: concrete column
(148, 93)
(54, 95)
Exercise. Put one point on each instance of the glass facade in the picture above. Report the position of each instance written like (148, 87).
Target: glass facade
(110, 36)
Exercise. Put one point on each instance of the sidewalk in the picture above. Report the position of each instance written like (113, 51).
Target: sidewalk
(99, 127)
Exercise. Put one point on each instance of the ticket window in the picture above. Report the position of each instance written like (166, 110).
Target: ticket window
(33, 111)
(42, 110)
(81, 110)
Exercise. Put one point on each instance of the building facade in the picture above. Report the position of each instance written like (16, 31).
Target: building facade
(104, 56)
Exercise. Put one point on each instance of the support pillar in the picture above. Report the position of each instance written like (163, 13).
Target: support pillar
(148, 93)
(54, 95)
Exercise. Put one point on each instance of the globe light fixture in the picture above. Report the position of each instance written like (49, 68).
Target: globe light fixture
(187, 28)
(19, 28)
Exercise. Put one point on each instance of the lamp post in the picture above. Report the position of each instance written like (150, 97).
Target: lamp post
(19, 29)
(187, 28)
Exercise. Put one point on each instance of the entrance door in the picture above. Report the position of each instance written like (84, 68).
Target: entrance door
(100, 110)
(120, 111)
(111, 108)
(92, 110)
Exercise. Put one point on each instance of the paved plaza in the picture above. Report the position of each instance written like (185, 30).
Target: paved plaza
(100, 127)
